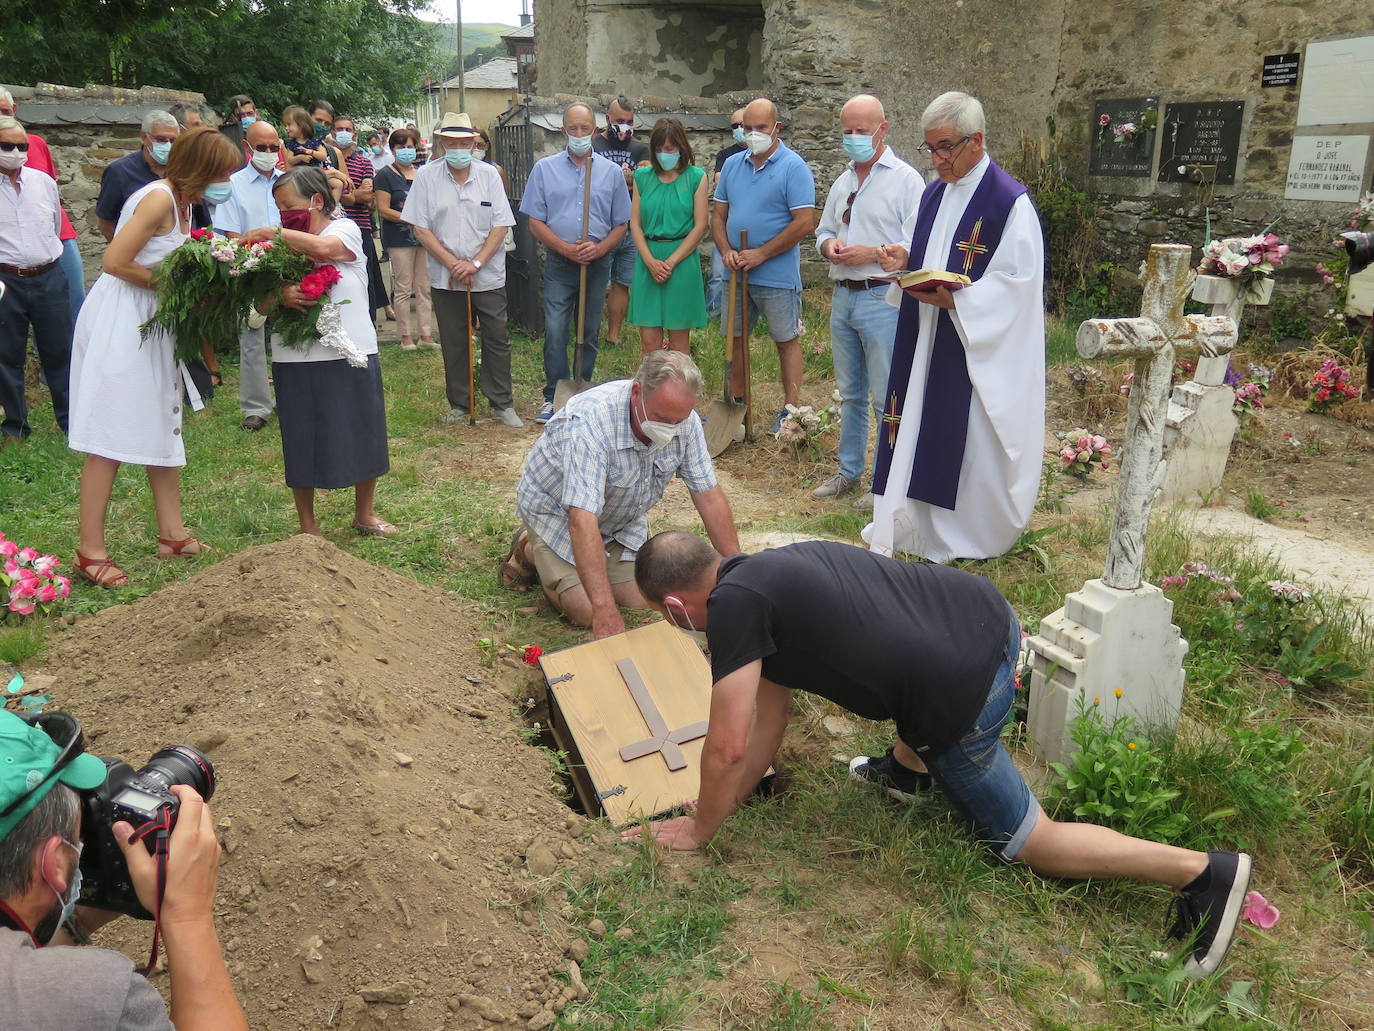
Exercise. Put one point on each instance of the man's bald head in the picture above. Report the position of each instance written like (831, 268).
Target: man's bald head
(759, 111)
(576, 113)
(672, 562)
(865, 106)
(737, 115)
(261, 132)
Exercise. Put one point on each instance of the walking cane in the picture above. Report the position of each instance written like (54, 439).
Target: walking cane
(472, 396)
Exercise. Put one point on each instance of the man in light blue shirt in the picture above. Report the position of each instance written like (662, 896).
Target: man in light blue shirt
(250, 206)
(769, 192)
(553, 202)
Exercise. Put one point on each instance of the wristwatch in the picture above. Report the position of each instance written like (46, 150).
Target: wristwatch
(477, 264)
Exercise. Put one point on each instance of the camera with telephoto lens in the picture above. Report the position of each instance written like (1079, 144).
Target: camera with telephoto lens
(1360, 249)
(145, 800)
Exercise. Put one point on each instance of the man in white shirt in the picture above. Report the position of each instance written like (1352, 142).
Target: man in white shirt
(250, 206)
(460, 214)
(35, 289)
(872, 204)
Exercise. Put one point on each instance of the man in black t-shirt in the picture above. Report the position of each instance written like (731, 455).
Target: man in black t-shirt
(931, 648)
(616, 143)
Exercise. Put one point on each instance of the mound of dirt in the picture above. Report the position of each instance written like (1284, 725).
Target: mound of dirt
(388, 836)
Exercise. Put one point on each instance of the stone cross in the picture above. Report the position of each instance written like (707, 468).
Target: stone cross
(1153, 339)
(1114, 639)
(663, 741)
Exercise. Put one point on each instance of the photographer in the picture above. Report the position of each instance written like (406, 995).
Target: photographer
(44, 984)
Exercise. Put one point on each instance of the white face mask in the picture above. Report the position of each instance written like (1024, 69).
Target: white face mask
(12, 159)
(660, 434)
(691, 626)
(264, 161)
(757, 142)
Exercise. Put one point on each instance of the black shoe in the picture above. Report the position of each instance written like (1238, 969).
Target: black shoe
(900, 783)
(253, 423)
(1207, 914)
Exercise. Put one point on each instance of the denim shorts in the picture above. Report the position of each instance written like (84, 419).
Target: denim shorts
(977, 773)
(780, 305)
(623, 261)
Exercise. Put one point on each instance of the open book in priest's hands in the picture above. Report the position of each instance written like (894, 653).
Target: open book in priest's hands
(927, 279)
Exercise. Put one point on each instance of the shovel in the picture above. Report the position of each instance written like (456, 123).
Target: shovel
(565, 389)
(724, 419)
(472, 396)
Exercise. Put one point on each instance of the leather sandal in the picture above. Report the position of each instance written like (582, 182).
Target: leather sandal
(514, 571)
(178, 548)
(381, 528)
(100, 571)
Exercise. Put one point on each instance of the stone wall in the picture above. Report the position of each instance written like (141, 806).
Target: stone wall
(1031, 62)
(86, 129)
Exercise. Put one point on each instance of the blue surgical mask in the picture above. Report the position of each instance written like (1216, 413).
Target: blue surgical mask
(73, 889)
(247, 120)
(738, 133)
(458, 158)
(579, 146)
(343, 138)
(667, 160)
(217, 193)
(859, 148)
(377, 149)
(405, 155)
(160, 151)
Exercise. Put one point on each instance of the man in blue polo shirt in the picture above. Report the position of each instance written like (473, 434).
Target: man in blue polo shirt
(769, 192)
(122, 178)
(553, 202)
(250, 206)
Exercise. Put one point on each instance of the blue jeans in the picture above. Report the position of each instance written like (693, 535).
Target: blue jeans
(75, 272)
(41, 302)
(862, 328)
(561, 278)
(978, 775)
(715, 286)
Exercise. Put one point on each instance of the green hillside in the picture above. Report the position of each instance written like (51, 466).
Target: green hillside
(474, 35)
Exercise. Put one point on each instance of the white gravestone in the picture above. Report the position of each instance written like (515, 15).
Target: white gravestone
(1117, 632)
(1202, 420)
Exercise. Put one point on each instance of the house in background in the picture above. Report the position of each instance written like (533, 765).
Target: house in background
(489, 88)
(520, 45)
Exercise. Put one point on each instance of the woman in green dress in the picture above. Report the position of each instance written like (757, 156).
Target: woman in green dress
(668, 221)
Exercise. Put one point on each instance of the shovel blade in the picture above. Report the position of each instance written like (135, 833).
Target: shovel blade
(722, 425)
(566, 388)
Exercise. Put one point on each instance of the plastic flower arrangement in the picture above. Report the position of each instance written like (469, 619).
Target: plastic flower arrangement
(1248, 258)
(1330, 385)
(803, 424)
(32, 579)
(1082, 450)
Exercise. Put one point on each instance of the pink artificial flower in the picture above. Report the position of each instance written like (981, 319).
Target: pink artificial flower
(8, 548)
(23, 606)
(27, 576)
(11, 567)
(27, 554)
(1105, 121)
(45, 564)
(64, 586)
(47, 593)
(24, 589)
(1259, 911)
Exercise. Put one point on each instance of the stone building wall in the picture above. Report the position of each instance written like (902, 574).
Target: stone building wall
(86, 129)
(1030, 61)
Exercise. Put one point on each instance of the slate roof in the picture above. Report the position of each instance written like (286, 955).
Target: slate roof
(498, 73)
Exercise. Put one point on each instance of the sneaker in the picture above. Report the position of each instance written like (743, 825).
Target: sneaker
(455, 415)
(777, 421)
(427, 345)
(545, 413)
(833, 487)
(1206, 916)
(887, 773)
(864, 502)
(407, 345)
(507, 417)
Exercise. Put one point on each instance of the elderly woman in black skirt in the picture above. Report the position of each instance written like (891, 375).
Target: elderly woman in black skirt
(332, 415)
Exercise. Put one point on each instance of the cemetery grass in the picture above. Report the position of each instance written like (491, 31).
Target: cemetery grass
(820, 905)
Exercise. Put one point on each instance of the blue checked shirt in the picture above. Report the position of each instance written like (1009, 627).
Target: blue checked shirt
(589, 458)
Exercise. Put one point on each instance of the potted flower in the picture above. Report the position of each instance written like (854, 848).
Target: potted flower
(1239, 266)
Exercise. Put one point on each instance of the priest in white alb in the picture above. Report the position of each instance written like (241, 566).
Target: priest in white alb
(961, 441)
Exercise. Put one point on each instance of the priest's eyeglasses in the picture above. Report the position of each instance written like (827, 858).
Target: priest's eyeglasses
(943, 153)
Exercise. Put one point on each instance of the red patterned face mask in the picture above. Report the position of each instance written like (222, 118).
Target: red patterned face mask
(296, 218)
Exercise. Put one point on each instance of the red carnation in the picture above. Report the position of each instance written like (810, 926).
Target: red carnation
(315, 284)
(202, 234)
(531, 654)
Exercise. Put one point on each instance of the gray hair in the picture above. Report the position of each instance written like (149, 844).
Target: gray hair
(6, 95)
(154, 119)
(958, 110)
(8, 122)
(308, 182)
(658, 367)
(578, 103)
(54, 816)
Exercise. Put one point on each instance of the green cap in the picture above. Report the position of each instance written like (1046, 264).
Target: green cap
(27, 756)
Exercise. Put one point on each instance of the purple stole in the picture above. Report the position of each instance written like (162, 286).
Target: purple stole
(943, 433)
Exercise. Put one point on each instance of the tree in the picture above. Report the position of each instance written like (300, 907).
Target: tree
(366, 57)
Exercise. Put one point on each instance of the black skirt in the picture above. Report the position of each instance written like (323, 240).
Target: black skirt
(333, 422)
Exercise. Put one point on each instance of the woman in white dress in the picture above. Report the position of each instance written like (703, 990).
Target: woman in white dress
(332, 413)
(126, 388)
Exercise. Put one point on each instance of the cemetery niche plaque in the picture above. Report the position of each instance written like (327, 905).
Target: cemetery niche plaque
(630, 711)
(1206, 133)
(1279, 70)
(1131, 158)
